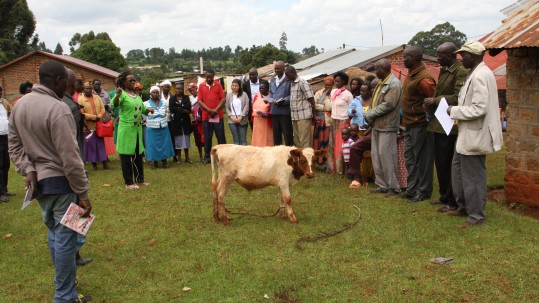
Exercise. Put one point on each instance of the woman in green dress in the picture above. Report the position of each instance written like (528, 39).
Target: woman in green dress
(129, 142)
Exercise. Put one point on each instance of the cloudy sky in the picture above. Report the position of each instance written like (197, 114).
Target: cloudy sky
(197, 24)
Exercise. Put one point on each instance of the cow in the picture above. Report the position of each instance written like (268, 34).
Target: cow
(258, 167)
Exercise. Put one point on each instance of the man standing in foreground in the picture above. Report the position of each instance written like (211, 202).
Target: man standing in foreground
(451, 80)
(384, 119)
(280, 107)
(480, 133)
(302, 109)
(211, 98)
(46, 152)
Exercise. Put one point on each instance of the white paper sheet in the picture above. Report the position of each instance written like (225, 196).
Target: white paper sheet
(441, 114)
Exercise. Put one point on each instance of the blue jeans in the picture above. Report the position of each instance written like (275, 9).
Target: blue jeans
(239, 133)
(62, 245)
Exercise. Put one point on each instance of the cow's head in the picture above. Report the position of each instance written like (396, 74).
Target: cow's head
(303, 161)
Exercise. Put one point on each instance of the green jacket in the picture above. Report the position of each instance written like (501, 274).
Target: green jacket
(386, 112)
(450, 82)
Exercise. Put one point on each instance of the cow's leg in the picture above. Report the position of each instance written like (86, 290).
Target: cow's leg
(214, 191)
(282, 206)
(222, 190)
(285, 197)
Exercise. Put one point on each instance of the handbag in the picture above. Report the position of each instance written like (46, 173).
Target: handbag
(104, 129)
(244, 121)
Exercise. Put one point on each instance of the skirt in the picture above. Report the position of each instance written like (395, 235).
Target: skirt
(94, 148)
(158, 144)
(182, 142)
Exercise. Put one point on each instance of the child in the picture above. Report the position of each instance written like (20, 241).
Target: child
(357, 149)
(355, 111)
(345, 147)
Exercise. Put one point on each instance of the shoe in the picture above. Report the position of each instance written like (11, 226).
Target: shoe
(354, 184)
(106, 165)
(9, 194)
(206, 161)
(417, 198)
(392, 193)
(467, 224)
(435, 202)
(165, 164)
(446, 208)
(4, 198)
(131, 186)
(94, 166)
(82, 299)
(144, 183)
(406, 196)
(84, 261)
(188, 161)
(459, 212)
(379, 190)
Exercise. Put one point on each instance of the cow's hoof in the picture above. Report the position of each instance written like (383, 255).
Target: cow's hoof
(216, 218)
(282, 213)
(293, 219)
(225, 221)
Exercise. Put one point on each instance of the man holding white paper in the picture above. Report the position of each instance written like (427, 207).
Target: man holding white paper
(450, 81)
(47, 153)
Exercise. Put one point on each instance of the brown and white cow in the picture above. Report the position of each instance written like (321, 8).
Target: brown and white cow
(257, 167)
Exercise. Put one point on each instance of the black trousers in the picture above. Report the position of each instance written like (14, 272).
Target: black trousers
(209, 128)
(4, 164)
(282, 126)
(444, 148)
(132, 166)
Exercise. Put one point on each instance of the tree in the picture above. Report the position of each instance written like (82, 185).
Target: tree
(310, 51)
(43, 47)
(79, 39)
(59, 50)
(135, 54)
(444, 32)
(283, 41)
(17, 27)
(101, 52)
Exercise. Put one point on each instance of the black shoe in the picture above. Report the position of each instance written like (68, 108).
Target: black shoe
(392, 193)
(82, 299)
(4, 198)
(379, 190)
(94, 166)
(9, 194)
(206, 161)
(418, 198)
(83, 261)
(406, 196)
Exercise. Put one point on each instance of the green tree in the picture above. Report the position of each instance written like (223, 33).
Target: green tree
(17, 25)
(283, 41)
(43, 47)
(310, 51)
(101, 52)
(135, 54)
(79, 39)
(59, 50)
(444, 32)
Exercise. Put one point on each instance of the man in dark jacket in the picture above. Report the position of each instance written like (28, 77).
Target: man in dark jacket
(251, 87)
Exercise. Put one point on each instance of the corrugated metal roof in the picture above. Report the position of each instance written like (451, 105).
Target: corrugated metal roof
(321, 58)
(521, 29)
(355, 58)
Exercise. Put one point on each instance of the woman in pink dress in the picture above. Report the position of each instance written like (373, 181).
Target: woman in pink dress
(340, 99)
(262, 130)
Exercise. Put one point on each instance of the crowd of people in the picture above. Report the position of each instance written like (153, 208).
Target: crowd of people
(395, 121)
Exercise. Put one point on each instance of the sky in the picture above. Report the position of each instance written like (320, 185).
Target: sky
(197, 24)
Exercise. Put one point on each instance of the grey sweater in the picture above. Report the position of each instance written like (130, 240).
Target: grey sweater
(42, 138)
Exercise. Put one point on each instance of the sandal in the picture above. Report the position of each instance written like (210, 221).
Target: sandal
(188, 161)
(131, 186)
(355, 184)
(144, 183)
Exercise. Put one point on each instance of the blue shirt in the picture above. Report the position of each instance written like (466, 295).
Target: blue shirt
(356, 118)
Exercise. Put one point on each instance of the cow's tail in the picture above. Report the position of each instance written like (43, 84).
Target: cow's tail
(214, 162)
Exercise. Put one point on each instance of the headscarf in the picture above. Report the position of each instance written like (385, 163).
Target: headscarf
(166, 82)
(87, 84)
(329, 79)
(155, 87)
(192, 85)
(138, 85)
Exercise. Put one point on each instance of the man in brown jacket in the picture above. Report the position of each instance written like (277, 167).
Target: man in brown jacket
(43, 147)
(418, 152)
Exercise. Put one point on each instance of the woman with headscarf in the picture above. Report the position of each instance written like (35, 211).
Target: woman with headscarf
(262, 128)
(180, 124)
(340, 100)
(158, 142)
(237, 108)
(322, 105)
(93, 111)
(130, 146)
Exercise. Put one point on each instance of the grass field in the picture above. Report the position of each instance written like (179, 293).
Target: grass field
(149, 244)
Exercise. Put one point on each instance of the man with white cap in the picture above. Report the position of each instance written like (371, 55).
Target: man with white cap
(480, 133)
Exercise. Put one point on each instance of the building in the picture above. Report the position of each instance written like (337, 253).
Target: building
(519, 36)
(26, 68)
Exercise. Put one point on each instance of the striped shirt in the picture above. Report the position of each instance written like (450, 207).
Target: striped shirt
(346, 150)
(300, 106)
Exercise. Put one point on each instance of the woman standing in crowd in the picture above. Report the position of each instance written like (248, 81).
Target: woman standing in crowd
(340, 100)
(180, 124)
(130, 146)
(322, 104)
(93, 111)
(158, 143)
(24, 88)
(196, 123)
(355, 86)
(237, 108)
(262, 130)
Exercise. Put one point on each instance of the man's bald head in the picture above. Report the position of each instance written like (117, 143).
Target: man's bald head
(412, 57)
(447, 48)
(445, 53)
(53, 75)
(278, 67)
(382, 68)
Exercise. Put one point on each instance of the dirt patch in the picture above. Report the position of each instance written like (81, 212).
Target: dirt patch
(498, 195)
(285, 296)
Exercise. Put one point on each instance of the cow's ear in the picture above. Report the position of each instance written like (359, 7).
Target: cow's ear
(320, 153)
(291, 161)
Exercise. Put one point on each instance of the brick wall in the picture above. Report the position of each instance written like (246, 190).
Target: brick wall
(27, 70)
(522, 160)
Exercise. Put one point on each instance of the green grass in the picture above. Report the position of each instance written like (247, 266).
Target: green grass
(149, 244)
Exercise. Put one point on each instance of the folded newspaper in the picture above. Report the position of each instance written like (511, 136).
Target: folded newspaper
(72, 219)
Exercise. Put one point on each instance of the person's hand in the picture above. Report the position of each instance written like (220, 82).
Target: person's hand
(279, 102)
(87, 206)
(265, 101)
(428, 102)
(31, 182)
(354, 111)
(151, 110)
(105, 119)
(119, 91)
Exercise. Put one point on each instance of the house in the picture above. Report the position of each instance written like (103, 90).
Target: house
(519, 37)
(26, 68)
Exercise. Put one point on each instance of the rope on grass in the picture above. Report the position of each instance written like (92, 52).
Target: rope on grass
(245, 213)
(326, 235)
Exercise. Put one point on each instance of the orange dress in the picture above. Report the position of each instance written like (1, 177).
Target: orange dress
(262, 130)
